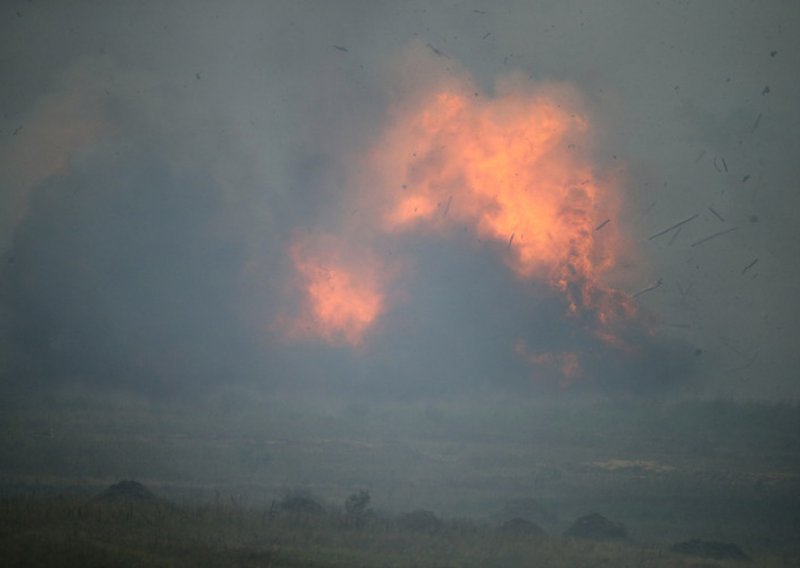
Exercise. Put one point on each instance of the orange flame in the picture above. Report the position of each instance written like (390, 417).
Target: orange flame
(343, 294)
(516, 170)
(512, 168)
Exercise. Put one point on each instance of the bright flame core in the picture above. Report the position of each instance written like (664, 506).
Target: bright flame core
(342, 296)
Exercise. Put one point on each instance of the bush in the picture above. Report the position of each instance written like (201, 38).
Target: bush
(356, 508)
(300, 503)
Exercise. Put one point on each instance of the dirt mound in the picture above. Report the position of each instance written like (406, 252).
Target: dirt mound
(126, 490)
(521, 527)
(301, 503)
(596, 527)
(710, 549)
(529, 509)
(420, 521)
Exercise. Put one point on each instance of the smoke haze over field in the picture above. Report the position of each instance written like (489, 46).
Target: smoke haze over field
(401, 197)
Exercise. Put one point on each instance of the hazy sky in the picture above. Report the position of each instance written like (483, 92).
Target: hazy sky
(173, 174)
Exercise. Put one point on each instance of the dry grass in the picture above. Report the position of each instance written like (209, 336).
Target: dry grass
(76, 532)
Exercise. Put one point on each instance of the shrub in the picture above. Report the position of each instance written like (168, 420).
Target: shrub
(356, 508)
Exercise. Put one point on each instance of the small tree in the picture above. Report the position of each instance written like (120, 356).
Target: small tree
(356, 508)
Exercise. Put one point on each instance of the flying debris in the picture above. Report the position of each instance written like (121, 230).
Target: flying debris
(675, 236)
(755, 124)
(603, 224)
(487, 34)
(765, 91)
(749, 266)
(747, 365)
(700, 156)
(648, 209)
(481, 12)
(649, 289)
(720, 164)
(745, 178)
(673, 227)
(510, 240)
(436, 51)
(773, 53)
(679, 325)
(340, 48)
(17, 130)
(717, 215)
(732, 347)
(197, 76)
(714, 236)
(447, 207)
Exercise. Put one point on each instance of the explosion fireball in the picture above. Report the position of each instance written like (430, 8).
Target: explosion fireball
(515, 169)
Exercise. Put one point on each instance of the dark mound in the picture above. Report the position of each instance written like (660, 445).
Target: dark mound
(126, 490)
(596, 527)
(301, 503)
(420, 521)
(521, 527)
(528, 509)
(710, 549)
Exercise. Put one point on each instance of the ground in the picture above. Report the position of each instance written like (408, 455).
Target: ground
(670, 472)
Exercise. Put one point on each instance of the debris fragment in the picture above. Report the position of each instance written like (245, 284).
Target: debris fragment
(683, 291)
(436, 51)
(753, 218)
(728, 344)
(773, 53)
(341, 48)
(487, 34)
(649, 208)
(745, 178)
(649, 289)
(747, 365)
(755, 124)
(17, 130)
(447, 207)
(717, 215)
(675, 236)
(603, 224)
(673, 227)
(510, 240)
(481, 12)
(765, 91)
(714, 236)
(724, 164)
(679, 325)
(749, 266)
(700, 156)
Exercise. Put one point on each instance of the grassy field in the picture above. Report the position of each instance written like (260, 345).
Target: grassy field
(669, 471)
(74, 532)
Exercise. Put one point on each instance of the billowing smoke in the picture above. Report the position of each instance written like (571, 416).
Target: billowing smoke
(510, 171)
(399, 197)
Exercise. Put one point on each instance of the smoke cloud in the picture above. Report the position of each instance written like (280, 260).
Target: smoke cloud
(403, 198)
